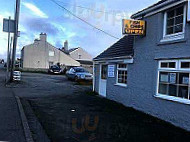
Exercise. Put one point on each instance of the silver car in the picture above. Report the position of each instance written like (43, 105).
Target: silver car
(79, 73)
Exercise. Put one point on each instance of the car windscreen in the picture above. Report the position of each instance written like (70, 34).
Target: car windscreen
(55, 68)
(80, 70)
(16, 73)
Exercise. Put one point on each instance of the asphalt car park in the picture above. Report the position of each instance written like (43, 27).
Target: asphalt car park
(69, 111)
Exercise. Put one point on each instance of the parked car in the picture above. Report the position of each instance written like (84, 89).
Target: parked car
(55, 70)
(17, 75)
(79, 73)
(5, 65)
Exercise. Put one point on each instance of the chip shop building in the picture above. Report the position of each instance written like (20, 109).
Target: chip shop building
(151, 73)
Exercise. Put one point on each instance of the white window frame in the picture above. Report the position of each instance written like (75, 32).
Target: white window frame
(184, 60)
(168, 61)
(176, 36)
(178, 69)
(121, 69)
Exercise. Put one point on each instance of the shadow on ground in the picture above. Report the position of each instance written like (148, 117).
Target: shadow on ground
(88, 118)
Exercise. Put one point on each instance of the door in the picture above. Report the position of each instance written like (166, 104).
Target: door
(103, 80)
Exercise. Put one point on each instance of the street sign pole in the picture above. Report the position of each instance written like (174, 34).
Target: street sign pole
(188, 11)
(8, 51)
(15, 38)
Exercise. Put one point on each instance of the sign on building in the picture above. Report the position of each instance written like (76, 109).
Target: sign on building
(188, 11)
(134, 27)
(8, 25)
(111, 70)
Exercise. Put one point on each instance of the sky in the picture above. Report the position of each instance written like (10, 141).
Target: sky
(37, 16)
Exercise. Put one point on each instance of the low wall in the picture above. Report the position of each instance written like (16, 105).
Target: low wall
(33, 70)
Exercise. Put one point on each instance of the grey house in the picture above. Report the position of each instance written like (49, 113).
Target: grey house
(151, 73)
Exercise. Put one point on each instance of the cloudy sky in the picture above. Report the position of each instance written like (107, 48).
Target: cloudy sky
(38, 16)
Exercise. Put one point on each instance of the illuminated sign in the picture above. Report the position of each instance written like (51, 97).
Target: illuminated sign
(134, 27)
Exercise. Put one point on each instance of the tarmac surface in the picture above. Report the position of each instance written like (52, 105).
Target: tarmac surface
(10, 122)
(60, 110)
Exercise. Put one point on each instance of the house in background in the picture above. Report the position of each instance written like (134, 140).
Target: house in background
(80, 55)
(83, 57)
(151, 73)
(42, 55)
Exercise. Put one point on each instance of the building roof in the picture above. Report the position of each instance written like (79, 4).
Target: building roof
(122, 48)
(72, 49)
(85, 62)
(153, 7)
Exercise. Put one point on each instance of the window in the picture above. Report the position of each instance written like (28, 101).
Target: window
(168, 65)
(185, 65)
(174, 23)
(50, 64)
(51, 53)
(174, 82)
(122, 74)
(104, 72)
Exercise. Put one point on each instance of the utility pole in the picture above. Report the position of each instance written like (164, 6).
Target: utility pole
(8, 51)
(15, 38)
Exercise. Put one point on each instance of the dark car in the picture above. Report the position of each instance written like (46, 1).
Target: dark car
(79, 73)
(5, 65)
(55, 70)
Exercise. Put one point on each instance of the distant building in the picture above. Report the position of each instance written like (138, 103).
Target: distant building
(42, 55)
(80, 54)
(83, 57)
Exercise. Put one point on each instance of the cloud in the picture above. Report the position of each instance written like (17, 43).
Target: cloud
(36, 11)
(40, 25)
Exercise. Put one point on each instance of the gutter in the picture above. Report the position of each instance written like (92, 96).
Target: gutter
(122, 57)
(148, 10)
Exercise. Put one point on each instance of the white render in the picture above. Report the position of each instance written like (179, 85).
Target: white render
(41, 54)
(80, 54)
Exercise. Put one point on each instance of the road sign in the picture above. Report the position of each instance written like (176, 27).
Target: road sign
(8, 25)
(134, 27)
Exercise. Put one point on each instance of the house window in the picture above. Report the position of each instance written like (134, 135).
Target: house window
(51, 53)
(122, 74)
(174, 83)
(175, 20)
(174, 23)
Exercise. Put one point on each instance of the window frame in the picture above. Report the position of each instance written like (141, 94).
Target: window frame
(175, 36)
(168, 61)
(178, 69)
(121, 69)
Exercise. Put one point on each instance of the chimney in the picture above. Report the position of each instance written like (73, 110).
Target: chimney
(43, 37)
(66, 46)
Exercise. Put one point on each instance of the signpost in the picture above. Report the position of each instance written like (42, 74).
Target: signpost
(188, 11)
(9, 27)
(134, 27)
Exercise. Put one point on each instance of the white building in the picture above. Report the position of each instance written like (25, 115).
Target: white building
(41, 55)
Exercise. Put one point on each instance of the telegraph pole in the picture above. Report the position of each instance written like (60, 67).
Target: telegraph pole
(8, 51)
(15, 38)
